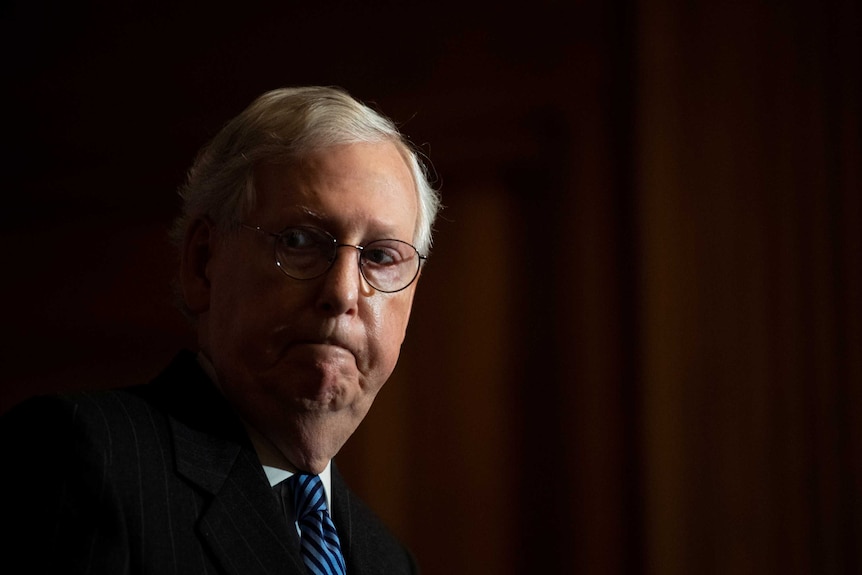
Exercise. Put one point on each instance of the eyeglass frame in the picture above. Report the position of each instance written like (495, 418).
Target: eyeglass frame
(336, 244)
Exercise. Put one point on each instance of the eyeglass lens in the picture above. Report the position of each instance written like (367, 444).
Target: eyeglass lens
(306, 253)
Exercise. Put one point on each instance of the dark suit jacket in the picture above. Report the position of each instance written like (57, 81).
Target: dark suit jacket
(157, 479)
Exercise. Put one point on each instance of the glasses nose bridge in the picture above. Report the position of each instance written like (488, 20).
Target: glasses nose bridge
(358, 248)
(338, 246)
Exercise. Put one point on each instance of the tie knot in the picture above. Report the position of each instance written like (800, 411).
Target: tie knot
(308, 495)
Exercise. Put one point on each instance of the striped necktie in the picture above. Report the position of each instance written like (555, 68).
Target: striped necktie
(319, 543)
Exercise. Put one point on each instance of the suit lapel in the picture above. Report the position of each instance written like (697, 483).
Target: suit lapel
(357, 542)
(240, 521)
(244, 527)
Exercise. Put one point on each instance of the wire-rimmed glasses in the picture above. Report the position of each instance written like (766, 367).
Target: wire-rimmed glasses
(305, 253)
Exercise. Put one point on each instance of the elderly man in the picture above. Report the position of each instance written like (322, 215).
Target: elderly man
(305, 225)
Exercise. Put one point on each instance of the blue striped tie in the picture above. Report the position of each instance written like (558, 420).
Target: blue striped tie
(319, 543)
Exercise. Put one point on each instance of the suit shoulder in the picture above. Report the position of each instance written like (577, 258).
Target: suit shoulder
(105, 408)
(93, 426)
(102, 408)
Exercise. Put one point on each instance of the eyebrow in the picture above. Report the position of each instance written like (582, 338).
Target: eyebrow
(312, 214)
(384, 231)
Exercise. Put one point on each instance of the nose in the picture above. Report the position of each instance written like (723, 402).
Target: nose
(343, 283)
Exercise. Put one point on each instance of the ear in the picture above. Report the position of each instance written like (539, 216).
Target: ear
(197, 251)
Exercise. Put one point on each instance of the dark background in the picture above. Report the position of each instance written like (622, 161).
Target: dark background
(637, 347)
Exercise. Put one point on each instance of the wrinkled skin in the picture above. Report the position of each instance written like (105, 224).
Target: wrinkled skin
(302, 361)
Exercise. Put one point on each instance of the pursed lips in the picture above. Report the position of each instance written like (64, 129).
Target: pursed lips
(332, 342)
(289, 337)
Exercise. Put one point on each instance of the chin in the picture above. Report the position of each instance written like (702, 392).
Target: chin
(316, 440)
(312, 460)
(313, 467)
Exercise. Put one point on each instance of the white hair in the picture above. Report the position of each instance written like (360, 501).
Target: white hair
(286, 124)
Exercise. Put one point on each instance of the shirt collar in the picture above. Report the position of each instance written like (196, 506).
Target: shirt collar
(277, 475)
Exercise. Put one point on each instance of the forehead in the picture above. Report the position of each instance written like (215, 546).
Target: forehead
(346, 186)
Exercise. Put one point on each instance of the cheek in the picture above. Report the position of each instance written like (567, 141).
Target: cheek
(389, 328)
(245, 315)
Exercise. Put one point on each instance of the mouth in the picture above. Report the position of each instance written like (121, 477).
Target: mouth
(326, 354)
(324, 348)
(292, 335)
(323, 344)
(319, 346)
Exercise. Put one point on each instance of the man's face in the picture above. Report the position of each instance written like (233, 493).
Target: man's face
(302, 361)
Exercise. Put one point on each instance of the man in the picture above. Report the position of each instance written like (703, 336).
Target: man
(298, 267)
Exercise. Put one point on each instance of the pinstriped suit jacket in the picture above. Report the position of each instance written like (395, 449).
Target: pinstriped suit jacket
(157, 479)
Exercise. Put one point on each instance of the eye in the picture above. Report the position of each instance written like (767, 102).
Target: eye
(304, 252)
(301, 239)
(384, 253)
(380, 256)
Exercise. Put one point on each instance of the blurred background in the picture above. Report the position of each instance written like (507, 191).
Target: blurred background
(637, 347)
